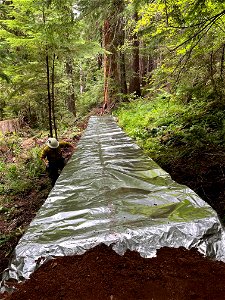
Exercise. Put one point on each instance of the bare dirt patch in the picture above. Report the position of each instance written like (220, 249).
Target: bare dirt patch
(100, 273)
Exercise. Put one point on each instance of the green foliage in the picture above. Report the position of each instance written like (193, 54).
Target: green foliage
(34, 165)
(4, 238)
(30, 31)
(166, 127)
(18, 170)
(186, 39)
(91, 98)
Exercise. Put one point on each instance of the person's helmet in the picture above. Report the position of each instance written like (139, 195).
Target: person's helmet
(52, 143)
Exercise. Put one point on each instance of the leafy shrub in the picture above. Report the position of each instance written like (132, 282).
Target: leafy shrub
(34, 166)
(17, 176)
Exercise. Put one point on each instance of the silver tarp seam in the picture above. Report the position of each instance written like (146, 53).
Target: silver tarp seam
(110, 192)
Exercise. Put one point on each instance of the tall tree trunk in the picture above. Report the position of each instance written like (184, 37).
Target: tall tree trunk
(150, 65)
(53, 96)
(49, 97)
(211, 71)
(123, 80)
(106, 61)
(134, 86)
(99, 61)
(82, 81)
(143, 64)
(48, 85)
(222, 62)
(100, 57)
(146, 68)
(122, 62)
(71, 99)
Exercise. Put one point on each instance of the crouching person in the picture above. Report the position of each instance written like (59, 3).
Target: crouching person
(53, 158)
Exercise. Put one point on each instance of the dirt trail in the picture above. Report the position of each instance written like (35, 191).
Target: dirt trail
(100, 273)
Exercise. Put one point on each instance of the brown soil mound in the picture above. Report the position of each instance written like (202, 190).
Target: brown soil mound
(100, 273)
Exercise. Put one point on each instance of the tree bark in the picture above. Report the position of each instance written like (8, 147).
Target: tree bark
(53, 96)
(48, 85)
(71, 99)
(122, 61)
(49, 97)
(123, 81)
(134, 86)
(106, 60)
(82, 81)
(142, 65)
(222, 62)
(212, 72)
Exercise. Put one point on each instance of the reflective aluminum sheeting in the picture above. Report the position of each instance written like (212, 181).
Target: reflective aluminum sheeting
(110, 192)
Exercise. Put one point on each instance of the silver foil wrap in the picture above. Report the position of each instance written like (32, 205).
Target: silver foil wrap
(111, 193)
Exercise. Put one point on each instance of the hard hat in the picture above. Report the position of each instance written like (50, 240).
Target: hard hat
(52, 143)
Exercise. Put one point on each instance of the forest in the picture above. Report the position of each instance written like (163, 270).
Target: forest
(158, 66)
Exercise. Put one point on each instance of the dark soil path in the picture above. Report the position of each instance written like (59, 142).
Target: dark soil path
(100, 273)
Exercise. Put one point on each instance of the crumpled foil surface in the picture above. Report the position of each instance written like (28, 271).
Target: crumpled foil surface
(112, 193)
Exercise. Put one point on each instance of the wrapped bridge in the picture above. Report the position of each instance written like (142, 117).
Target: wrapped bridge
(110, 192)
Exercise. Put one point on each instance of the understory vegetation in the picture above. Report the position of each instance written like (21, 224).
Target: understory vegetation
(20, 162)
(19, 167)
(20, 172)
(167, 128)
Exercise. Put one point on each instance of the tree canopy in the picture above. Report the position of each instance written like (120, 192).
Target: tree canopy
(58, 60)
